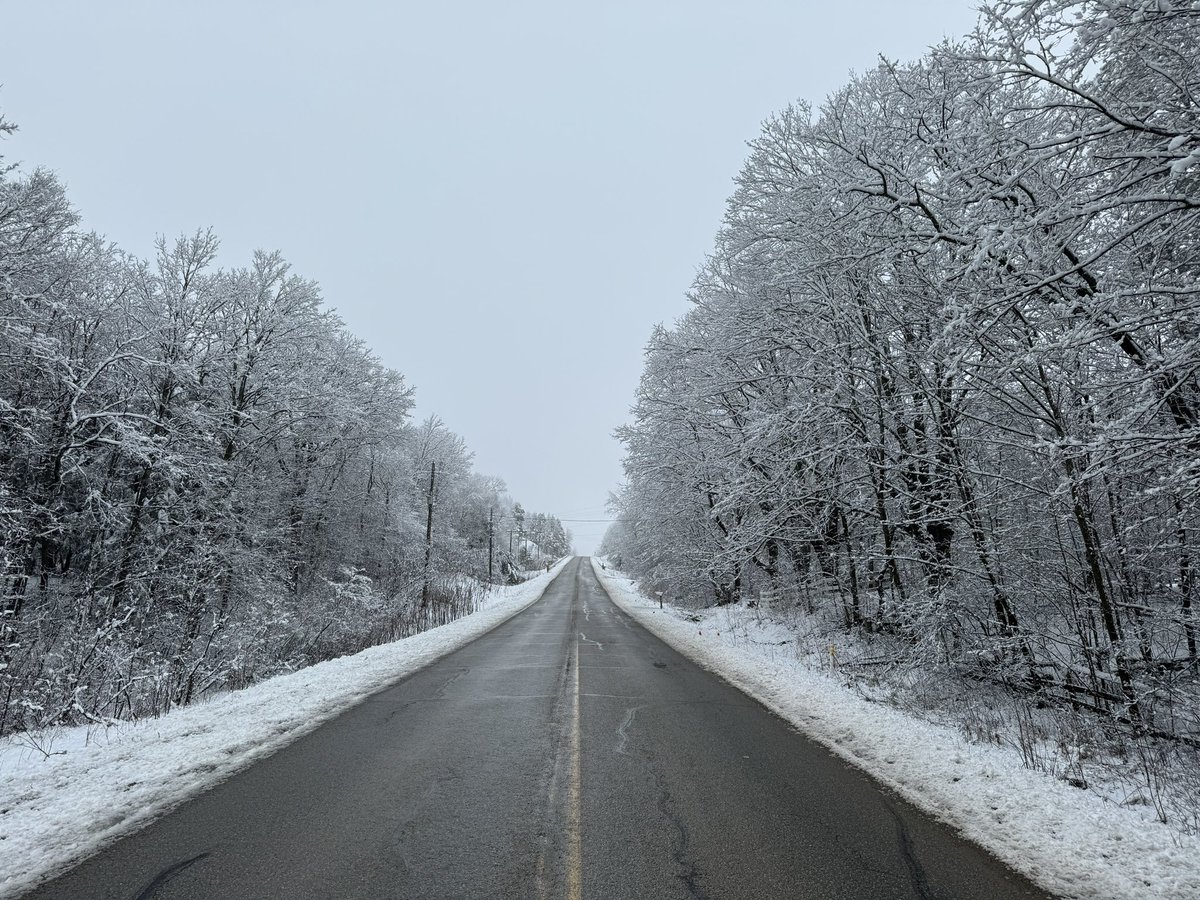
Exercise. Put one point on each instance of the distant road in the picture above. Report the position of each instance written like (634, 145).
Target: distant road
(568, 753)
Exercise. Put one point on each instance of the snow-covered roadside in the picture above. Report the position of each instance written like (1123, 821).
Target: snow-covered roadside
(95, 787)
(1073, 843)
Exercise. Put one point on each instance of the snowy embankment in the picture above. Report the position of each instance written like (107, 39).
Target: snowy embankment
(1072, 842)
(64, 794)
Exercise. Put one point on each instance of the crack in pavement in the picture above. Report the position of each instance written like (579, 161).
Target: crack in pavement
(916, 872)
(587, 640)
(623, 729)
(691, 874)
(441, 691)
(160, 880)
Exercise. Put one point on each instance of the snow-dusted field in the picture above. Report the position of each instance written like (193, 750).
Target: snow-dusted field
(65, 794)
(1073, 842)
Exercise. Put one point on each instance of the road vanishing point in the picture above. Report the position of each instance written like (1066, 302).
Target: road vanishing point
(567, 753)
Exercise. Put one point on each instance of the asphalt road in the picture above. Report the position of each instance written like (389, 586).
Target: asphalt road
(568, 753)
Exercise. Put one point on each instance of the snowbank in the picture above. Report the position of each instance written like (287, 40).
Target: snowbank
(95, 787)
(1073, 843)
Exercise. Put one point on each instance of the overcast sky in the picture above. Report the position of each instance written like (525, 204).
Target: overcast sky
(502, 198)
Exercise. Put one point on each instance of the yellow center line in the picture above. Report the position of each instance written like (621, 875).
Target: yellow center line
(575, 796)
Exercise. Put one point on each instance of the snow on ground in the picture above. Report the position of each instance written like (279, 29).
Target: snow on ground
(85, 788)
(1072, 842)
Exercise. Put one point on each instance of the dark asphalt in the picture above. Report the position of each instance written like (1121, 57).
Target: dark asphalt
(568, 753)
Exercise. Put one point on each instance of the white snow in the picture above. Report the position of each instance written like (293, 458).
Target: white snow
(1072, 842)
(96, 786)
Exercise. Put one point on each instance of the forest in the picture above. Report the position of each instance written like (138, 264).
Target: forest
(937, 383)
(206, 479)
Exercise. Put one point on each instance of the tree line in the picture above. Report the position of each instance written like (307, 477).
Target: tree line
(938, 378)
(205, 478)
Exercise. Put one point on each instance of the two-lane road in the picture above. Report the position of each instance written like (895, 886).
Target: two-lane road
(568, 753)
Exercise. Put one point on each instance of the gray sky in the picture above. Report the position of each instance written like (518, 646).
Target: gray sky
(502, 198)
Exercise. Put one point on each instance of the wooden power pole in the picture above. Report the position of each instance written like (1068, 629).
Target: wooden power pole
(428, 535)
(491, 519)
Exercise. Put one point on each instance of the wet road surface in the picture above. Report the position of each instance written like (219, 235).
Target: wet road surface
(568, 753)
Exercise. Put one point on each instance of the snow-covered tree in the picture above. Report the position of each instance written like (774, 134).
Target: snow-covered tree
(939, 375)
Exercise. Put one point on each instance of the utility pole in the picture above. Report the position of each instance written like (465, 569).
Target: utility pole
(428, 535)
(519, 522)
(491, 520)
